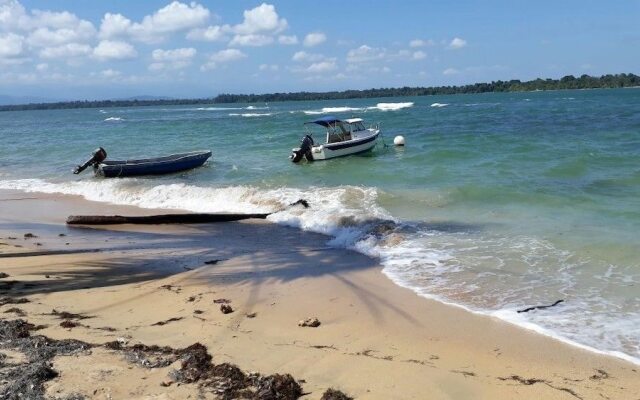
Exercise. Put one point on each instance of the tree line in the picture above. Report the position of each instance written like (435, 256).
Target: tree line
(514, 85)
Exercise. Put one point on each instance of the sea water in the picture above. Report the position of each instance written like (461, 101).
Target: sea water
(498, 202)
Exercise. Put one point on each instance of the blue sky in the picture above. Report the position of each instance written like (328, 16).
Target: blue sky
(90, 50)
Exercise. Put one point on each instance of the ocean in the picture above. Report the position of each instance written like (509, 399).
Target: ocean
(498, 202)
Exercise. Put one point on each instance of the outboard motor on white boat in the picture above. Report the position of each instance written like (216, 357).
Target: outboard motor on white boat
(98, 156)
(304, 151)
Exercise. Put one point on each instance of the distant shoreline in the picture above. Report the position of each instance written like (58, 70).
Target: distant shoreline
(568, 82)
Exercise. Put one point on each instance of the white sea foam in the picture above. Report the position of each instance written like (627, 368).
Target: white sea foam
(250, 114)
(256, 108)
(218, 108)
(113, 119)
(480, 273)
(392, 106)
(378, 107)
(439, 105)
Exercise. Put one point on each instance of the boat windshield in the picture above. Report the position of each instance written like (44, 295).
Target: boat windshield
(357, 126)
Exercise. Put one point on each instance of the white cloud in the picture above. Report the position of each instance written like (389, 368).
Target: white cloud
(261, 19)
(457, 43)
(288, 40)
(421, 43)
(114, 25)
(11, 45)
(110, 73)
(172, 59)
(69, 50)
(13, 16)
(207, 66)
(323, 66)
(227, 55)
(253, 40)
(450, 71)
(45, 37)
(114, 50)
(174, 17)
(365, 53)
(42, 67)
(303, 56)
(223, 56)
(185, 53)
(419, 55)
(209, 34)
(269, 67)
(314, 39)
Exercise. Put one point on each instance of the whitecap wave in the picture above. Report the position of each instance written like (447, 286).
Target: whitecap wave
(218, 108)
(250, 115)
(378, 107)
(392, 106)
(113, 119)
(439, 105)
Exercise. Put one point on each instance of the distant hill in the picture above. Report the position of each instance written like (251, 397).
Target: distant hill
(514, 85)
(145, 98)
(7, 99)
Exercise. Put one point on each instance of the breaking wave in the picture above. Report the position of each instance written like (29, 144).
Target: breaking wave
(482, 272)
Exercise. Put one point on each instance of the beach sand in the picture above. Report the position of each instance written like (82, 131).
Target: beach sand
(157, 285)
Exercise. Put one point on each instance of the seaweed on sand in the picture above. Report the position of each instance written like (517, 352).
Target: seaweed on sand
(26, 380)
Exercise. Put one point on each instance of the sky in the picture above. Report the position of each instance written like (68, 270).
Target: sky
(79, 49)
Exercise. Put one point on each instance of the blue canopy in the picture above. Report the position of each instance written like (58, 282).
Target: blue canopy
(325, 121)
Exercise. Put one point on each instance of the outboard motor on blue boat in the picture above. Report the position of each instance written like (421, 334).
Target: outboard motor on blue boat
(98, 156)
(304, 151)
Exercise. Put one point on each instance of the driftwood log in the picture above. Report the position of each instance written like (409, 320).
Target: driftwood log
(159, 219)
(540, 307)
(169, 218)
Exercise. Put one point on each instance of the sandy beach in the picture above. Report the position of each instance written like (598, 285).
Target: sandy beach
(164, 285)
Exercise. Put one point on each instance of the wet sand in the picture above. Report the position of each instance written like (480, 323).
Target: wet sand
(158, 285)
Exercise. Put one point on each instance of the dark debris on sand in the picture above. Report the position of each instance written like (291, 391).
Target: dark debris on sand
(225, 380)
(67, 315)
(12, 300)
(334, 394)
(26, 380)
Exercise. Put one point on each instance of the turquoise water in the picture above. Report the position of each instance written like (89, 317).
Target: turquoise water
(499, 201)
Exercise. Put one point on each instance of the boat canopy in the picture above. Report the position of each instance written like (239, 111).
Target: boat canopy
(326, 121)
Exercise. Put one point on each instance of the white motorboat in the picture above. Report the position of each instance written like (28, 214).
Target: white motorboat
(343, 138)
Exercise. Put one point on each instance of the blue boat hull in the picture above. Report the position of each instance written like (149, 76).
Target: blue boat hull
(152, 166)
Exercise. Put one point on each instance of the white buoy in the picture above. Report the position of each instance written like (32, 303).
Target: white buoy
(398, 140)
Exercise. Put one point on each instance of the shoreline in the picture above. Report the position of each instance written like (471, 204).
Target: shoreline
(135, 209)
(375, 336)
(295, 96)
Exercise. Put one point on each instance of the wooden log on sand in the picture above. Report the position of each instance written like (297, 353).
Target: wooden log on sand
(169, 218)
(159, 219)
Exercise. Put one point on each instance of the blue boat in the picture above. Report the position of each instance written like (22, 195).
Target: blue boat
(146, 166)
